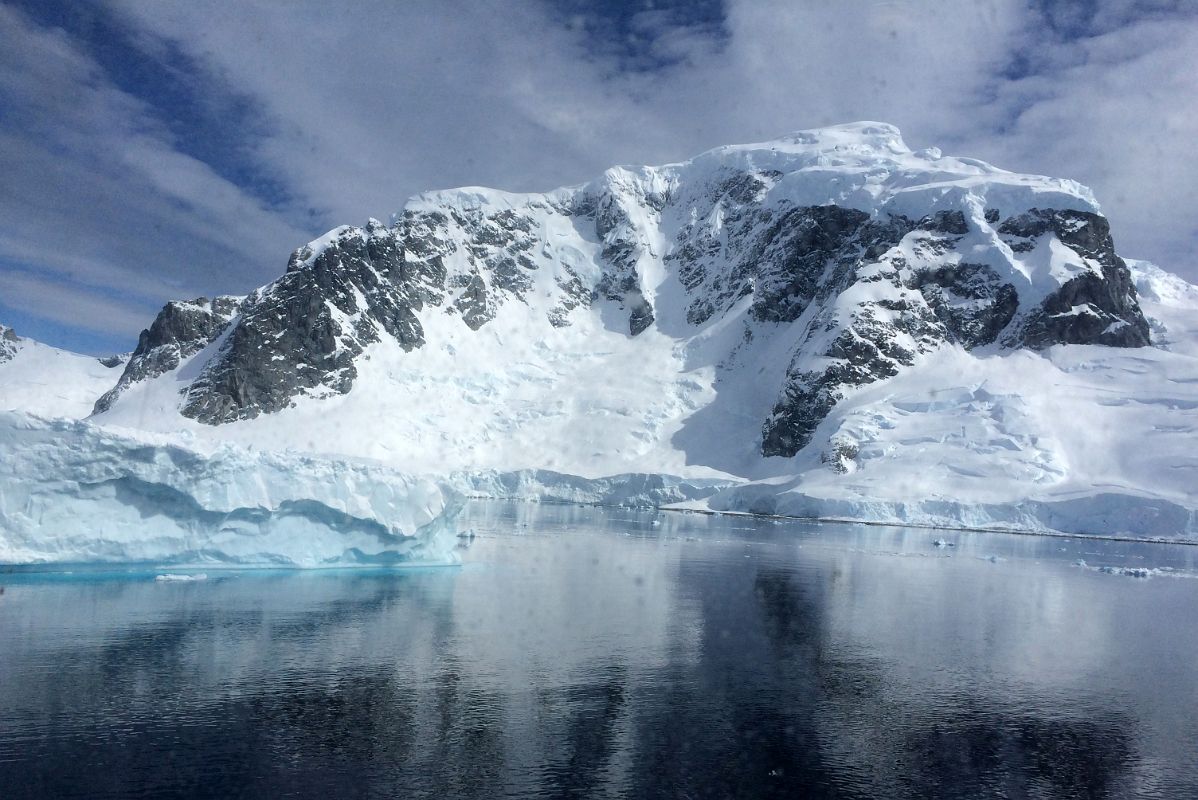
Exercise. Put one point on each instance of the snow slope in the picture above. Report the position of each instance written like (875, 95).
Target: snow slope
(649, 321)
(1077, 439)
(846, 326)
(52, 382)
(564, 400)
(73, 492)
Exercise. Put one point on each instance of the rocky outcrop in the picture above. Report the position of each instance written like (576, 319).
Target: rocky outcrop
(9, 342)
(924, 294)
(620, 282)
(849, 254)
(181, 329)
(115, 360)
(1099, 305)
(303, 332)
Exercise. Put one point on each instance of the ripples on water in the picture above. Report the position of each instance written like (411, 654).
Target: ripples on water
(587, 652)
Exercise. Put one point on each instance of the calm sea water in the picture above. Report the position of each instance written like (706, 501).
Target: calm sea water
(601, 653)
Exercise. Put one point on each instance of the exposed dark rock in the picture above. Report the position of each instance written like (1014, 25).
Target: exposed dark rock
(797, 256)
(864, 353)
(950, 222)
(840, 456)
(426, 244)
(8, 343)
(474, 303)
(181, 329)
(785, 261)
(303, 332)
(745, 188)
(960, 302)
(971, 301)
(574, 294)
(621, 283)
(640, 315)
(1098, 306)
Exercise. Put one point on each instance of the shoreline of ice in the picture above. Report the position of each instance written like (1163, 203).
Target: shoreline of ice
(75, 492)
(1100, 515)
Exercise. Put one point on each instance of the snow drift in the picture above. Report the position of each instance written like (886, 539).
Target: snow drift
(73, 492)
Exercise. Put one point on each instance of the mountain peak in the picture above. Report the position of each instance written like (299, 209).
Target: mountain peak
(880, 137)
(836, 257)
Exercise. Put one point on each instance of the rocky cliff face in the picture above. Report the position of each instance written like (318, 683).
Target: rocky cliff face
(923, 294)
(850, 255)
(8, 343)
(1096, 306)
(180, 330)
(305, 331)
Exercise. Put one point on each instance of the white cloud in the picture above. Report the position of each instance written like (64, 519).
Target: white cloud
(374, 106)
(1122, 117)
(368, 105)
(96, 194)
(74, 305)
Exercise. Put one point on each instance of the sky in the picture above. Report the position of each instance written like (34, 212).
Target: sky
(152, 151)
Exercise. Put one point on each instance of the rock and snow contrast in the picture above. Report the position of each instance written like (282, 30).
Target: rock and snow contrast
(828, 324)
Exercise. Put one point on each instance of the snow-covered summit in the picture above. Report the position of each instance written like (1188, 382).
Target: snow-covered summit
(851, 255)
(714, 318)
(868, 166)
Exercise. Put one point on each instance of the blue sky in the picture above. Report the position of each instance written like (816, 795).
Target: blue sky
(158, 150)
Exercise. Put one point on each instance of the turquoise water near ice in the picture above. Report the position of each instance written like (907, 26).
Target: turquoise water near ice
(614, 653)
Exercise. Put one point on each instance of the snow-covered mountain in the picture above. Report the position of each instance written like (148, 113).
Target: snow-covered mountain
(860, 329)
(54, 382)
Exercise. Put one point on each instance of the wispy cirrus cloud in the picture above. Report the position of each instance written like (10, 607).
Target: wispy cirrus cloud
(1118, 110)
(97, 197)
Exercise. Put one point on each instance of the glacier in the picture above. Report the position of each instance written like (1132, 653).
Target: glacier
(1075, 439)
(828, 324)
(72, 492)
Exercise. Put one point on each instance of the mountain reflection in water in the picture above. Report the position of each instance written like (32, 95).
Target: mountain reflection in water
(592, 652)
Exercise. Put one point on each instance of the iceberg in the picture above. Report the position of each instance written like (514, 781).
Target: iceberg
(71, 491)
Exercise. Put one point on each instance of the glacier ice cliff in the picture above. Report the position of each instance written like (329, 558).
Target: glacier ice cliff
(73, 492)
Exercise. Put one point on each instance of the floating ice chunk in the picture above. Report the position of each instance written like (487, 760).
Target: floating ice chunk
(173, 578)
(1131, 572)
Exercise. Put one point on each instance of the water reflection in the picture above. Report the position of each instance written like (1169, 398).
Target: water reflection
(586, 652)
